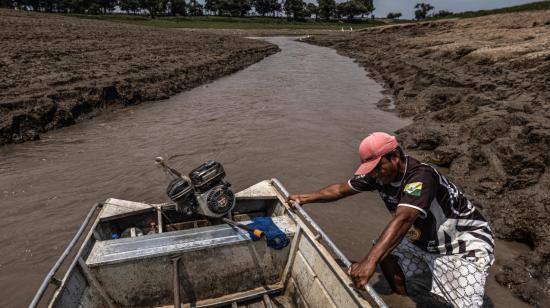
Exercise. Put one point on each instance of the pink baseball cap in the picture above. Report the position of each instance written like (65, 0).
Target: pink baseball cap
(372, 149)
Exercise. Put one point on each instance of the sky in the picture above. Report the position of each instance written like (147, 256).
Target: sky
(406, 7)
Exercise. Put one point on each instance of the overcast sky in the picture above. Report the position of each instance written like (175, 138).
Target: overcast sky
(406, 7)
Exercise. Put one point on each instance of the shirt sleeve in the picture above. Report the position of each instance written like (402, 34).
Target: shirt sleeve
(418, 191)
(362, 183)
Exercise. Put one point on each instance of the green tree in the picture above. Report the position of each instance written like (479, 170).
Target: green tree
(48, 5)
(153, 6)
(327, 8)
(312, 9)
(234, 7)
(177, 7)
(212, 6)
(195, 9)
(79, 6)
(393, 15)
(264, 7)
(129, 6)
(367, 6)
(422, 10)
(106, 5)
(352, 8)
(295, 9)
(443, 13)
(244, 7)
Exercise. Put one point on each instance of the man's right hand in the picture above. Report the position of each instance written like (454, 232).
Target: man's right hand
(330, 193)
(300, 199)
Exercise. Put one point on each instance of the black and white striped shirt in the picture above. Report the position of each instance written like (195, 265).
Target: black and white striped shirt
(448, 222)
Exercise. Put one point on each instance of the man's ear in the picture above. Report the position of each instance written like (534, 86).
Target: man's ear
(395, 156)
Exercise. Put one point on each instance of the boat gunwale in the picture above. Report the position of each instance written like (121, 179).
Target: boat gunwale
(281, 196)
(324, 251)
(55, 297)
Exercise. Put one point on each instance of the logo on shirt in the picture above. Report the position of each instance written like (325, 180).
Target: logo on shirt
(413, 234)
(413, 189)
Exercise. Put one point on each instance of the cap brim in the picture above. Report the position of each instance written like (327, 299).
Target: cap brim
(367, 167)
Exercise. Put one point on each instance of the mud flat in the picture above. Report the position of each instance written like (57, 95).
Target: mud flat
(55, 70)
(479, 94)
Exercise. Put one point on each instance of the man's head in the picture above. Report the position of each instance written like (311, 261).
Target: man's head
(381, 157)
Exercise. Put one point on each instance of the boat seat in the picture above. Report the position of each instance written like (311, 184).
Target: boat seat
(171, 243)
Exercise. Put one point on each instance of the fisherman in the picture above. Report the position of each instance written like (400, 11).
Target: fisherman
(435, 229)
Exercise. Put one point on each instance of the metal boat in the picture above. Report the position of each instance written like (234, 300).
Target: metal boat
(167, 259)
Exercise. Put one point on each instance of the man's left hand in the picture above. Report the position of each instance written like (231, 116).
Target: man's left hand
(361, 273)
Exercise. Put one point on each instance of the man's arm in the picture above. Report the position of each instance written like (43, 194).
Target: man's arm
(394, 232)
(330, 193)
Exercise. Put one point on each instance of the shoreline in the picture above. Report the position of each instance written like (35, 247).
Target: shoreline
(478, 98)
(476, 89)
(62, 69)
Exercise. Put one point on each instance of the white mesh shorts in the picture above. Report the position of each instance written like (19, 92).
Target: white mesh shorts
(458, 281)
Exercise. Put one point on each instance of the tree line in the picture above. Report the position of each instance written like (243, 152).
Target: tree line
(296, 10)
(422, 11)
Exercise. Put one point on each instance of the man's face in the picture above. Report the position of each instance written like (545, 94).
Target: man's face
(387, 170)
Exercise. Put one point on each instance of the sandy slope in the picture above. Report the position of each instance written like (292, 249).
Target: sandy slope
(479, 92)
(55, 69)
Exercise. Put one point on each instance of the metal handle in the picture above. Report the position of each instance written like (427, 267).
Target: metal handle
(256, 232)
(379, 301)
(48, 279)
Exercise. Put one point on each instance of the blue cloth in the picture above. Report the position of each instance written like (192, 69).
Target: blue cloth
(275, 237)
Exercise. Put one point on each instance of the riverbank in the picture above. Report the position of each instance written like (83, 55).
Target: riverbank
(478, 91)
(55, 70)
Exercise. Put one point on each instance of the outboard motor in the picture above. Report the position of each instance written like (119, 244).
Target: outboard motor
(213, 195)
(204, 192)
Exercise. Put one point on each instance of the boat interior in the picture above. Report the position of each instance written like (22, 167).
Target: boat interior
(144, 255)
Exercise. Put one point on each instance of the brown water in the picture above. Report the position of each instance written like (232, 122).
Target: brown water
(297, 115)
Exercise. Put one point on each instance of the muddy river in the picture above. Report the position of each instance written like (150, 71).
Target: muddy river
(297, 115)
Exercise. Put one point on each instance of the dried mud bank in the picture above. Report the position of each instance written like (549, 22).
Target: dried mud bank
(54, 70)
(479, 93)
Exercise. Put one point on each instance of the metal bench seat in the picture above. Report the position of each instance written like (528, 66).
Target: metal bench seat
(155, 245)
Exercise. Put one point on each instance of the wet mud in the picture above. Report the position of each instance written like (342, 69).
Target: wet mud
(478, 91)
(56, 70)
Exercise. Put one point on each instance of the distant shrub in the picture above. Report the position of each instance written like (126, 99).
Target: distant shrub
(422, 10)
(393, 15)
(443, 13)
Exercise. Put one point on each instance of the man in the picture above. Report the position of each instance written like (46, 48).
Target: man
(435, 228)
